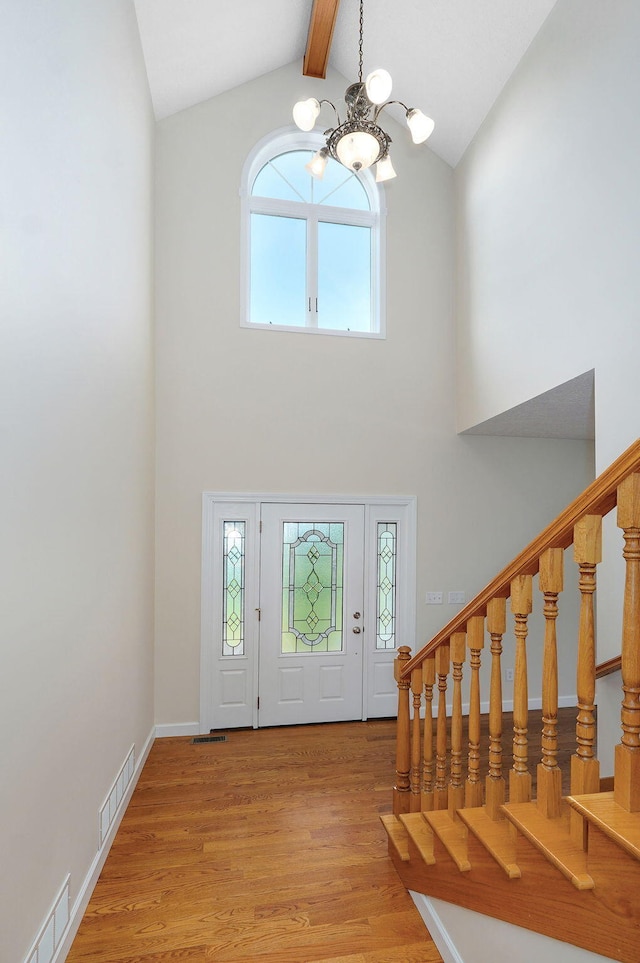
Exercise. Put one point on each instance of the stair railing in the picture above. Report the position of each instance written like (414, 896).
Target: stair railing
(430, 758)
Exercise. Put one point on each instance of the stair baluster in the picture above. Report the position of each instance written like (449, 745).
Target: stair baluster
(494, 785)
(473, 786)
(519, 776)
(455, 799)
(416, 748)
(549, 789)
(428, 679)
(585, 768)
(578, 857)
(441, 797)
(627, 753)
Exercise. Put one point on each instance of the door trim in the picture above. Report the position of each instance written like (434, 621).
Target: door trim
(376, 506)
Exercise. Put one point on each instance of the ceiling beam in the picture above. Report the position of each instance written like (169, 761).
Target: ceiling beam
(323, 20)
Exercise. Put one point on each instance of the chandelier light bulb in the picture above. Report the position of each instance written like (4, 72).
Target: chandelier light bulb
(378, 86)
(358, 150)
(384, 170)
(317, 164)
(305, 113)
(420, 125)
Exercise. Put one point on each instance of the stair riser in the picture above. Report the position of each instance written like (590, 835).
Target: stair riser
(542, 900)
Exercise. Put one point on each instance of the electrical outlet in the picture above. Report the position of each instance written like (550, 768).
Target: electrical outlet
(509, 675)
(434, 598)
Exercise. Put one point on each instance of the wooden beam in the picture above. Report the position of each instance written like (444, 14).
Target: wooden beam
(323, 20)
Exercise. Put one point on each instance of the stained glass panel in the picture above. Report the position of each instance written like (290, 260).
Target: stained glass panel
(386, 585)
(312, 586)
(233, 594)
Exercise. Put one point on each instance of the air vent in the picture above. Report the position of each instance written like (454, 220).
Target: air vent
(209, 739)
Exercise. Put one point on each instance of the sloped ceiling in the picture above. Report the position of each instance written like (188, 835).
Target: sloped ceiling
(449, 57)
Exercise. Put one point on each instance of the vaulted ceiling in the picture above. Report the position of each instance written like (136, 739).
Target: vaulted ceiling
(449, 57)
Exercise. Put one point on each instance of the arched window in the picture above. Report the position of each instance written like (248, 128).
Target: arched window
(312, 249)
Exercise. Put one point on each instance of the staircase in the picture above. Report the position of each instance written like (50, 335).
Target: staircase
(565, 866)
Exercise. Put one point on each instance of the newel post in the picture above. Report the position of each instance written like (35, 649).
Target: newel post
(627, 759)
(401, 790)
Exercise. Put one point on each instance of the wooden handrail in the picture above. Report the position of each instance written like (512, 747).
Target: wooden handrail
(608, 667)
(598, 499)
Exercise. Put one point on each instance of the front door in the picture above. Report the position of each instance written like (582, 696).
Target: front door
(311, 614)
(301, 623)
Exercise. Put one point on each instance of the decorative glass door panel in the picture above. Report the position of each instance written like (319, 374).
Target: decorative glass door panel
(312, 581)
(311, 603)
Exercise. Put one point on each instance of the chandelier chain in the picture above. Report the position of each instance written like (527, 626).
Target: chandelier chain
(361, 30)
(358, 142)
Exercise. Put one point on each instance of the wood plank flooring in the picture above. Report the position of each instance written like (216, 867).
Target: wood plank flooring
(266, 848)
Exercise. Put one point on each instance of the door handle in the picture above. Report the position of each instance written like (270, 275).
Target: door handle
(356, 630)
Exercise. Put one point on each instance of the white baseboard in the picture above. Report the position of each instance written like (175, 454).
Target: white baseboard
(177, 729)
(564, 702)
(90, 880)
(436, 928)
(465, 936)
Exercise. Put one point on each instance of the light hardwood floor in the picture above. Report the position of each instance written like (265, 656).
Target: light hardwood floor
(266, 848)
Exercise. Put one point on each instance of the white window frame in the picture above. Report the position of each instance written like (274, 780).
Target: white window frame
(290, 139)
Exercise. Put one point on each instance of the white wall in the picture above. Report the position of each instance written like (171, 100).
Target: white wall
(463, 936)
(549, 224)
(242, 409)
(548, 215)
(76, 403)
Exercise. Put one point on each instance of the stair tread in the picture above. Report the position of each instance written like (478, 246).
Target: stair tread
(397, 834)
(552, 838)
(496, 836)
(421, 834)
(453, 836)
(619, 825)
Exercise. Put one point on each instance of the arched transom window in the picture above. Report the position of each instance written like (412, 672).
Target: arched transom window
(312, 248)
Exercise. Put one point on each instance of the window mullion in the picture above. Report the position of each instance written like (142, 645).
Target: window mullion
(312, 271)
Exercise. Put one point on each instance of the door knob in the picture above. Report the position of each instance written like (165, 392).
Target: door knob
(356, 630)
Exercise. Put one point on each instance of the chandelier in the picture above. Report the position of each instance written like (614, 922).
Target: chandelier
(359, 141)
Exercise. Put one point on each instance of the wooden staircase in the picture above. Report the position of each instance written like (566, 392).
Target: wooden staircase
(565, 866)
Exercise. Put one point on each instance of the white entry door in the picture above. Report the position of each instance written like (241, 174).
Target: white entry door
(301, 622)
(311, 614)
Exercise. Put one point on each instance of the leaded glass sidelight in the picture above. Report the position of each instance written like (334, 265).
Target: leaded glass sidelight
(387, 538)
(312, 586)
(233, 588)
